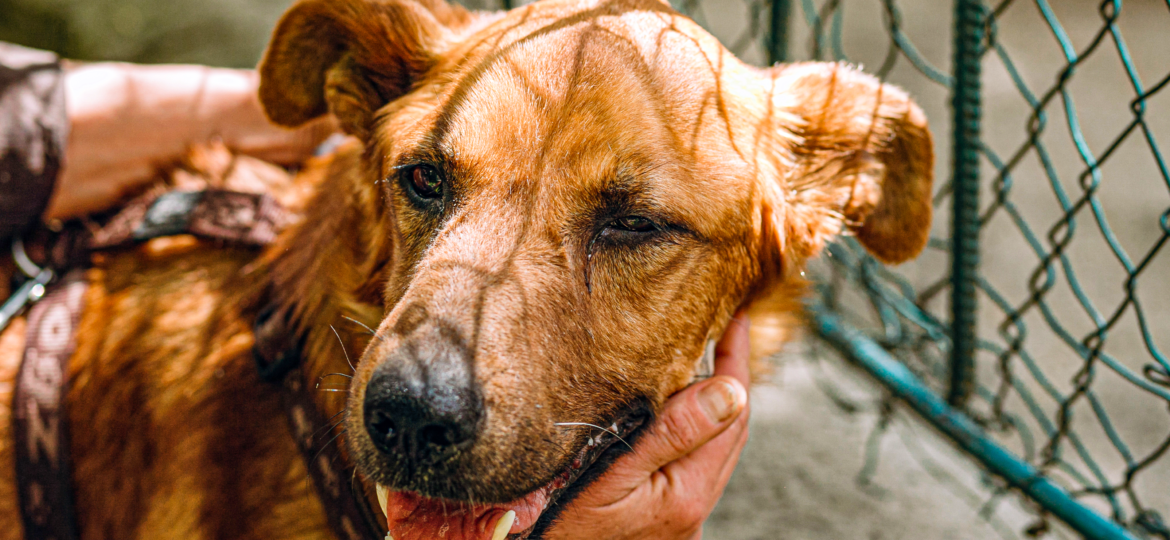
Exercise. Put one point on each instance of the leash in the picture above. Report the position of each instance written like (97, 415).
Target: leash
(41, 437)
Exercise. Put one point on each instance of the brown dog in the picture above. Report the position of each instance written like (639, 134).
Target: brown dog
(545, 215)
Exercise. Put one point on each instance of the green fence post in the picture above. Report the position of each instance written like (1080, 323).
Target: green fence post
(953, 423)
(778, 31)
(965, 103)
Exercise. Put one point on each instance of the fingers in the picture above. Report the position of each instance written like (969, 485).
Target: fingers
(708, 468)
(691, 418)
(695, 415)
(674, 477)
(733, 352)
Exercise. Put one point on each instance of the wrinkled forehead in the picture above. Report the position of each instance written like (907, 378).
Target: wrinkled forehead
(583, 103)
(549, 103)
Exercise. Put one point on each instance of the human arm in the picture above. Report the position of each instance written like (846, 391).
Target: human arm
(77, 138)
(128, 120)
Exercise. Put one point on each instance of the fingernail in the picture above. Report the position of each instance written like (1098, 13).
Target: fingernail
(719, 400)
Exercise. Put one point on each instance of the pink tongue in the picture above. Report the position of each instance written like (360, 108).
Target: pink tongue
(413, 517)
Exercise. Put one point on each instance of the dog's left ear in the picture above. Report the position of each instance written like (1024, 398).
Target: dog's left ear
(350, 57)
(850, 153)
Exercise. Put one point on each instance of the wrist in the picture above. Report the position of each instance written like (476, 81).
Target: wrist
(122, 113)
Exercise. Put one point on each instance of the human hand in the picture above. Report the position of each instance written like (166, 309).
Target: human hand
(670, 483)
(128, 120)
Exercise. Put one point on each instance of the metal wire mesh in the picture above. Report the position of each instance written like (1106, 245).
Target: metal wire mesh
(1068, 369)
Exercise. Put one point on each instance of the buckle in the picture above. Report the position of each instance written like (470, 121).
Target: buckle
(169, 215)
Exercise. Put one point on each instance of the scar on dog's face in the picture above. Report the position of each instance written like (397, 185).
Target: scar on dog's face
(582, 193)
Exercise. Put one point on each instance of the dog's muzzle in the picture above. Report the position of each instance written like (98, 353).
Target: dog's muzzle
(422, 404)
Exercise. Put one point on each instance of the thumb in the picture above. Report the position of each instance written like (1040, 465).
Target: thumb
(691, 418)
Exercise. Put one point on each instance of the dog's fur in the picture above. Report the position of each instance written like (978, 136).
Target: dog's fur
(548, 122)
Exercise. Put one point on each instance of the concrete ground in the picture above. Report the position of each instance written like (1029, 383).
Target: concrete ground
(806, 472)
(816, 467)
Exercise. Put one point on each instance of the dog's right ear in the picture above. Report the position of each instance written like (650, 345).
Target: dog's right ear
(350, 57)
(852, 154)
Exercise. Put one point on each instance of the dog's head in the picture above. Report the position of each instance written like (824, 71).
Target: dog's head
(579, 195)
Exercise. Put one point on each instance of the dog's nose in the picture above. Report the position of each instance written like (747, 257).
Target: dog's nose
(421, 408)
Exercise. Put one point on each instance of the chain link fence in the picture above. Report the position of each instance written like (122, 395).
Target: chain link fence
(1050, 354)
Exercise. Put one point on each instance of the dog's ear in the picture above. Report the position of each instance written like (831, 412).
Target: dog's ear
(350, 57)
(854, 154)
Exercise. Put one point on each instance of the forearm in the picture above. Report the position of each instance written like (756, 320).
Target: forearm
(33, 133)
(128, 120)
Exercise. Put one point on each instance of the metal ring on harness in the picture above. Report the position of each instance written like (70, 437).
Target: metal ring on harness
(33, 288)
(20, 256)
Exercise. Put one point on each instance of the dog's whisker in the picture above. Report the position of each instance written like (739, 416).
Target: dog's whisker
(326, 445)
(361, 324)
(557, 444)
(319, 379)
(325, 430)
(339, 413)
(335, 424)
(355, 487)
(587, 424)
(332, 425)
(333, 389)
(343, 351)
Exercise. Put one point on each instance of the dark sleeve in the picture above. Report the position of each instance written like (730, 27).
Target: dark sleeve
(33, 132)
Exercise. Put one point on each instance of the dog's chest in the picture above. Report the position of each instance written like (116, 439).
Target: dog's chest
(172, 432)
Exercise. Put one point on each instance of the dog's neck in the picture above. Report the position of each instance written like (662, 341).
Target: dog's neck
(327, 271)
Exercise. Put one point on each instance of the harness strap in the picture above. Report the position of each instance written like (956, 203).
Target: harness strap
(346, 506)
(278, 359)
(39, 413)
(40, 422)
(248, 219)
(218, 214)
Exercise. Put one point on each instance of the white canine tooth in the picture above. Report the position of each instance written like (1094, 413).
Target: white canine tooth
(383, 495)
(504, 525)
(613, 427)
(590, 441)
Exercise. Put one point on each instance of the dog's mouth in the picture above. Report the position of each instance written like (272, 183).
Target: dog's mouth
(411, 516)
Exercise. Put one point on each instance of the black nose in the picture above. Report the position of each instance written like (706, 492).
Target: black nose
(422, 407)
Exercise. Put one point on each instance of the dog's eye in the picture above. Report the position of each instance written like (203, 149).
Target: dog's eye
(634, 224)
(426, 182)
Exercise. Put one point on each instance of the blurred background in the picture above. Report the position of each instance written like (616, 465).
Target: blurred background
(214, 32)
(1066, 140)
